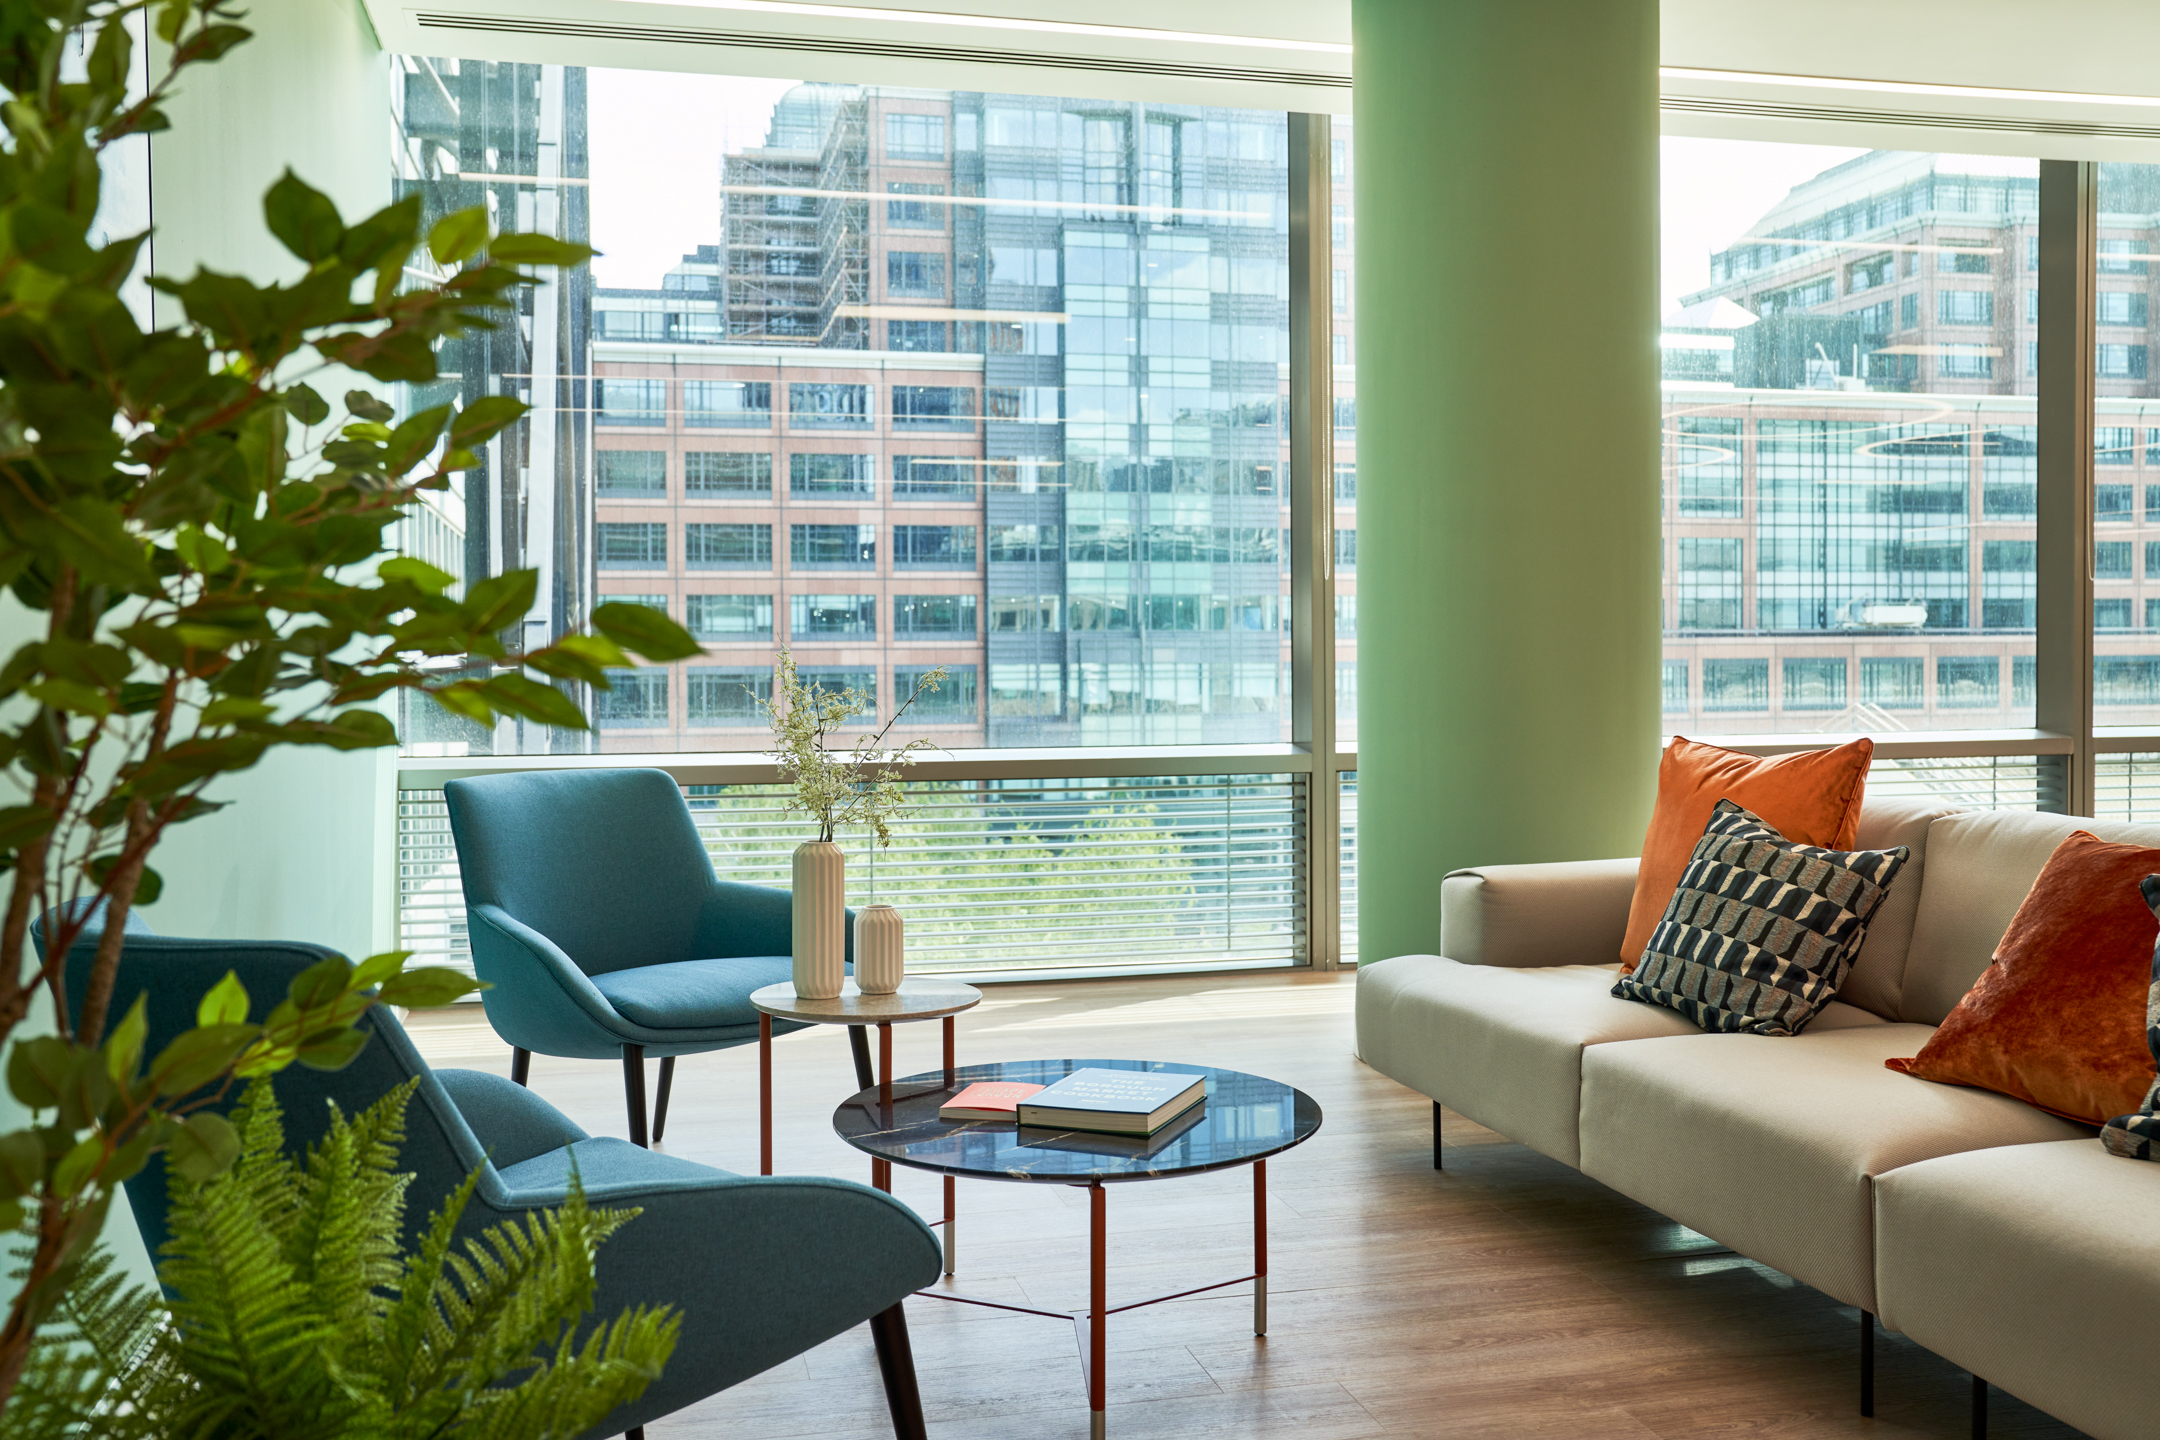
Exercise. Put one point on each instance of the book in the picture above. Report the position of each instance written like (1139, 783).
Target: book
(987, 1100)
(1118, 1102)
(1122, 1147)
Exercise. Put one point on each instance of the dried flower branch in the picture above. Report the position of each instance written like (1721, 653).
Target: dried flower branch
(858, 786)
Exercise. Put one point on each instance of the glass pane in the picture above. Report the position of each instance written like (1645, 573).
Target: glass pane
(898, 378)
(2126, 452)
(1849, 366)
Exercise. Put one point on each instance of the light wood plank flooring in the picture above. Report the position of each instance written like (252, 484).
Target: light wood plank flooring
(1509, 1297)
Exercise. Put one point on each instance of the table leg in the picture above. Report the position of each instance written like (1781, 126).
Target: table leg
(952, 1223)
(884, 1064)
(1259, 1247)
(764, 1093)
(950, 1078)
(1098, 1302)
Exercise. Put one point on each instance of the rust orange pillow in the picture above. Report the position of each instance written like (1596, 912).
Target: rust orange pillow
(1812, 798)
(2058, 1020)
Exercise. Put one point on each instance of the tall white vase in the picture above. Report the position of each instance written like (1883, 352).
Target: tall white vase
(820, 919)
(880, 950)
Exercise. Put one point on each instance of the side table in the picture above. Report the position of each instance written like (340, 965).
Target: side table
(916, 999)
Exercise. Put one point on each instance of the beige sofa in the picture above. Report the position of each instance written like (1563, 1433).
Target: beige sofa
(1805, 1153)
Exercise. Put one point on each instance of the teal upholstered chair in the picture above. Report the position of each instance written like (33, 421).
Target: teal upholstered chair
(595, 916)
(762, 1268)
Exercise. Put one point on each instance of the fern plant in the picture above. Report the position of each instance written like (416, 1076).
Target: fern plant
(297, 1314)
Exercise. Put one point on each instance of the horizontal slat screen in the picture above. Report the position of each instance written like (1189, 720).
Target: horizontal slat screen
(993, 875)
(1348, 814)
(1983, 782)
(2127, 787)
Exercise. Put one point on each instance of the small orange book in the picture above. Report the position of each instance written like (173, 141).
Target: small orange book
(987, 1100)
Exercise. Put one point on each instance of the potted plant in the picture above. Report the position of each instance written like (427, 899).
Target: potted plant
(199, 535)
(859, 785)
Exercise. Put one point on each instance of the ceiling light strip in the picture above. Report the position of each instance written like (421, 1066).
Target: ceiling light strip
(1842, 114)
(1906, 87)
(884, 15)
(883, 49)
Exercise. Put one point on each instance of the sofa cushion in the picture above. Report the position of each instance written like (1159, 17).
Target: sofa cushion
(693, 994)
(2058, 1020)
(1877, 977)
(1504, 1046)
(1812, 797)
(1771, 1145)
(2036, 1267)
(1980, 866)
(2136, 1136)
(1761, 929)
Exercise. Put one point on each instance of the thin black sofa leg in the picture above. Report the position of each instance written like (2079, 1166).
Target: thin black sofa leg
(1867, 1363)
(520, 1066)
(896, 1362)
(859, 1042)
(1979, 1413)
(1436, 1136)
(659, 1109)
(633, 1077)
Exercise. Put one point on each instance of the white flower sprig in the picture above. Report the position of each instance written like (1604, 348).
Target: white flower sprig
(859, 786)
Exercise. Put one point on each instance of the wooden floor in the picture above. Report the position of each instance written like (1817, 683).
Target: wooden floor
(1509, 1297)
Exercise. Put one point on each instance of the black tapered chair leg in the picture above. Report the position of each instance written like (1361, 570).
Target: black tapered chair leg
(520, 1066)
(1979, 1409)
(896, 1362)
(1436, 1136)
(659, 1108)
(633, 1076)
(635, 1432)
(1867, 1363)
(859, 1041)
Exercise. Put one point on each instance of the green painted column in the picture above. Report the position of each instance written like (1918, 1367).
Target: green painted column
(1508, 631)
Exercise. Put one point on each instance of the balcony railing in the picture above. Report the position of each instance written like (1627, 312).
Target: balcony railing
(996, 875)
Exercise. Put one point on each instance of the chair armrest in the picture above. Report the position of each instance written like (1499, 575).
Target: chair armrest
(537, 998)
(1523, 916)
(741, 919)
(511, 1123)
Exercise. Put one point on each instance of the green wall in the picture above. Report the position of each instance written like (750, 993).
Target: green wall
(306, 849)
(1507, 188)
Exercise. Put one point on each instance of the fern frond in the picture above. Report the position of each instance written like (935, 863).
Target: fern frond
(345, 1236)
(92, 1360)
(573, 1392)
(415, 1323)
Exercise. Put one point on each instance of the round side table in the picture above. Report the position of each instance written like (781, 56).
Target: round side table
(916, 999)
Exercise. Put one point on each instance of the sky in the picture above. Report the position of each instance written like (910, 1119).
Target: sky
(657, 139)
(1713, 190)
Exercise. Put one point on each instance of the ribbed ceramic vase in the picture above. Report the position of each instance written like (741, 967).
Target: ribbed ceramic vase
(880, 950)
(820, 919)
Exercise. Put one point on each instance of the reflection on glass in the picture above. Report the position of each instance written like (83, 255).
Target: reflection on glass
(1849, 439)
(1013, 365)
(2126, 452)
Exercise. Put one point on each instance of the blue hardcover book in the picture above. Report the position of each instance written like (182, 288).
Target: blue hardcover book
(1118, 1102)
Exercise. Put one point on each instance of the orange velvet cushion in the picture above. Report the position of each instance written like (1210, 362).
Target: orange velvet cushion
(1812, 798)
(2059, 1019)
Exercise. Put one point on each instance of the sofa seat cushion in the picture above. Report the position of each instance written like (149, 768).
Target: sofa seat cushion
(1771, 1144)
(1504, 1046)
(693, 994)
(2036, 1267)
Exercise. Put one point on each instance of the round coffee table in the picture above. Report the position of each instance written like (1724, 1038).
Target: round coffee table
(1245, 1119)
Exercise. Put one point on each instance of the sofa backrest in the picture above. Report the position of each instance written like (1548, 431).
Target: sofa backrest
(1981, 865)
(1878, 976)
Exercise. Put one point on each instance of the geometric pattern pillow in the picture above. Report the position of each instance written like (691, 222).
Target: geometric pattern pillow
(2137, 1137)
(1762, 930)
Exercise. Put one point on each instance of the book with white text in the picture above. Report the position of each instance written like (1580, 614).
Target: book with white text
(1118, 1102)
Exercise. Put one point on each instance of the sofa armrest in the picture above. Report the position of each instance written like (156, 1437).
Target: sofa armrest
(1522, 916)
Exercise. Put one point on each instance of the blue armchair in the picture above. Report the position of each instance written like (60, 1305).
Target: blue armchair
(594, 914)
(761, 1268)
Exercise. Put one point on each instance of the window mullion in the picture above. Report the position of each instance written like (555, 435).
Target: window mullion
(2063, 664)
(1312, 526)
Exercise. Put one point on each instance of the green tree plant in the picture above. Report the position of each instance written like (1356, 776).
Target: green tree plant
(297, 1313)
(199, 536)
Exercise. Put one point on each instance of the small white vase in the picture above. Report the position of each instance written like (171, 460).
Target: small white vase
(880, 950)
(820, 920)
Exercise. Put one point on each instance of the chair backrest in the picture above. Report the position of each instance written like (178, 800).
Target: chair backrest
(605, 863)
(440, 1149)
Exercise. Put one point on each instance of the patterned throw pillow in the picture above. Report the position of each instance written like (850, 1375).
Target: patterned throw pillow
(2137, 1137)
(1761, 930)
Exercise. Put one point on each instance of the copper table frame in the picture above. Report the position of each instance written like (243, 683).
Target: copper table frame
(1091, 1326)
(880, 1168)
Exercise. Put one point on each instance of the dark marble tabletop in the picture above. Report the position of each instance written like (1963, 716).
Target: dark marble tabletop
(1244, 1118)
